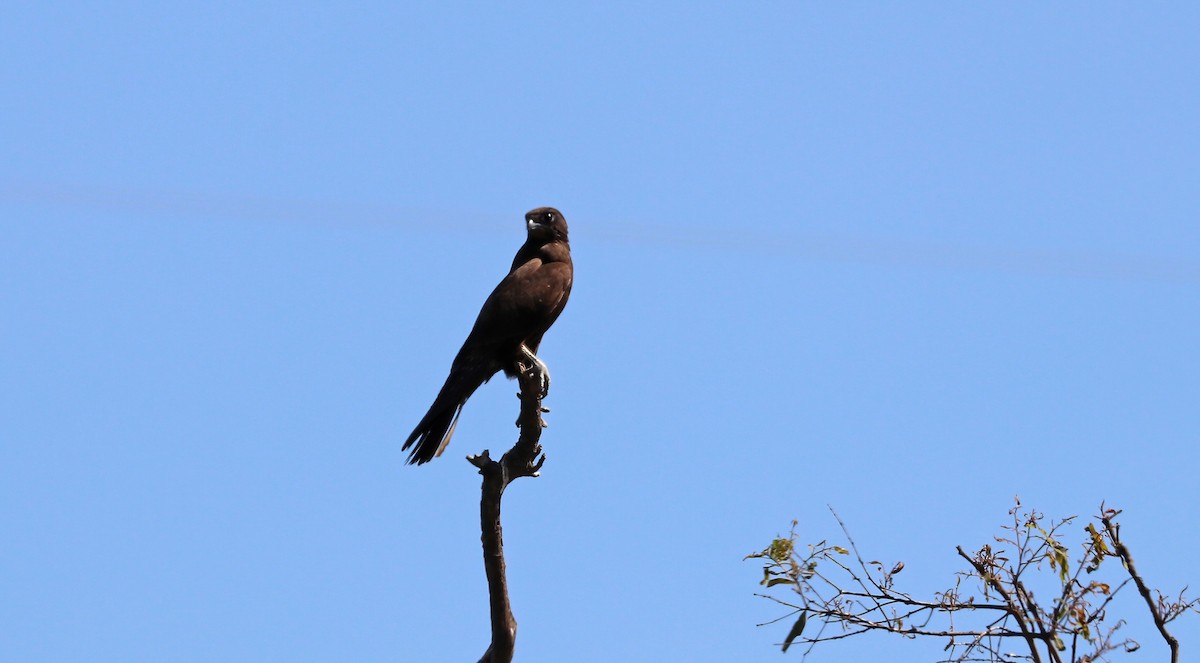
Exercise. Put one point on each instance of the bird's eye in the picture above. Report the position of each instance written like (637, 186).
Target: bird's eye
(549, 216)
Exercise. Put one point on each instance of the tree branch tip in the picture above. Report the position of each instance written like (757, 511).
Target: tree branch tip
(481, 459)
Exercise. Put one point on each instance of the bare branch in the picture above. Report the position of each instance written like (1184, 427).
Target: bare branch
(1160, 619)
(525, 459)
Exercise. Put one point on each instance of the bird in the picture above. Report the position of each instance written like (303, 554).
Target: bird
(507, 332)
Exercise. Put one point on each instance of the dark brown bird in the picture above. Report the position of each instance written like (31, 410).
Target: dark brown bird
(508, 330)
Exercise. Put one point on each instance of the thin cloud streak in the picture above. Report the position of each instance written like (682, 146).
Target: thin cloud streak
(926, 254)
(855, 250)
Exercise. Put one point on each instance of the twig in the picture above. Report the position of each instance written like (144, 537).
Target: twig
(1014, 608)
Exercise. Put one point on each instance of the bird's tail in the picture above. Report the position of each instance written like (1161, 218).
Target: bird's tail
(437, 426)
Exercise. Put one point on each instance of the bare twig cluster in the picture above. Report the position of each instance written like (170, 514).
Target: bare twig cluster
(524, 459)
(991, 612)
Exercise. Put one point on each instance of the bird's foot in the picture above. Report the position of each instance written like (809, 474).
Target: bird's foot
(532, 365)
(544, 388)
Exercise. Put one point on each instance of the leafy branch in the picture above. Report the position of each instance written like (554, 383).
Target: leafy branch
(990, 607)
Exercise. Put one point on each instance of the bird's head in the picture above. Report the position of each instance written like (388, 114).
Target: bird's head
(546, 223)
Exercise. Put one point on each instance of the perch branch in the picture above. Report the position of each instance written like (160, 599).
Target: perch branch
(524, 459)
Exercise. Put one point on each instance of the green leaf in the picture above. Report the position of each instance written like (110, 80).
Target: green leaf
(1064, 562)
(780, 549)
(841, 550)
(797, 629)
(780, 581)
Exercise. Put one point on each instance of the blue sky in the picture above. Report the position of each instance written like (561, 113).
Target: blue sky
(907, 260)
